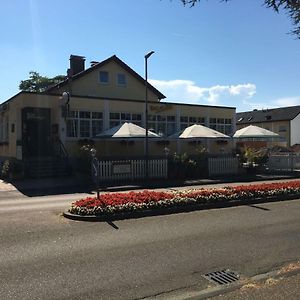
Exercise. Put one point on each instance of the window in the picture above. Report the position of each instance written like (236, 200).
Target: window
(188, 121)
(84, 115)
(213, 123)
(97, 127)
(240, 119)
(1, 129)
(162, 125)
(121, 79)
(85, 128)
(84, 124)
(282, 128)
(221, 124)
(116, 119)
(103, 77)
(72, 128)
(4, 129)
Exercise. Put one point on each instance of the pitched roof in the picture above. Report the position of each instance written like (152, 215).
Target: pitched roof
(268, 115)
(115, 59)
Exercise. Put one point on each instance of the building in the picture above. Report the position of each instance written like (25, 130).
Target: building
(100, 97)
(284, 120)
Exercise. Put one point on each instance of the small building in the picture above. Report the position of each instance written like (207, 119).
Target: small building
(104, 95)
(284, 120)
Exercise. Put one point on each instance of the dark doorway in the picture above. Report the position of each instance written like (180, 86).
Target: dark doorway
(36, 132)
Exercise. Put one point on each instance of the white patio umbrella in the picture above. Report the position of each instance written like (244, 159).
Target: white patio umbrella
(254, 132)
(127, 130)
(200, 131)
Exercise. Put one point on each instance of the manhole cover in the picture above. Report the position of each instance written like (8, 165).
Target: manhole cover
(222, 277)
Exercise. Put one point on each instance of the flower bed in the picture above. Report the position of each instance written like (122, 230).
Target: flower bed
(110, 204)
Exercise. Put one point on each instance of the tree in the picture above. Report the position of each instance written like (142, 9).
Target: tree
(291, 7)
(38, 83)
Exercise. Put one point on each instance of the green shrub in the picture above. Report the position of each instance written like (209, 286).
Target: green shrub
(181, 166)
(83, 159)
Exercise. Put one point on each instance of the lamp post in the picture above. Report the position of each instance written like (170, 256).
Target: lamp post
(146, 113)
(95, 170)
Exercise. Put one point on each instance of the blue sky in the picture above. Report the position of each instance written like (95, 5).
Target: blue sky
(232, 54)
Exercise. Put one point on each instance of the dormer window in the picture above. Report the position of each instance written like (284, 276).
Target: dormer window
(121, 79)
(268, 117)
(250, 118)
(240, 119)
(103, 77)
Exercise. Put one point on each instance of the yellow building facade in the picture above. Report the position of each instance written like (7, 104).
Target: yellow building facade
(107, 94)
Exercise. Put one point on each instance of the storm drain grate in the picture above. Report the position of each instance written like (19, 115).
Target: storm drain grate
(222, 277)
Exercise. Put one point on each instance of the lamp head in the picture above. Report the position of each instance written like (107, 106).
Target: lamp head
(148, 54)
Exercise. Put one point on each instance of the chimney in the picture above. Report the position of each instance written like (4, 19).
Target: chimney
(76, 64)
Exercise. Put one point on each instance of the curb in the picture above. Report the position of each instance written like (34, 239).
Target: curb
(173, 210)
(216, 291)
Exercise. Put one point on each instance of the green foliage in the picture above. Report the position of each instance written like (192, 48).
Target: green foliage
(181, 166)
(38, 83)
(83, 158)
(290, 7)
(252, 156)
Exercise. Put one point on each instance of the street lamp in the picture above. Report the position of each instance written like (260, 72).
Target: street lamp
(146, 113)
(95, 170)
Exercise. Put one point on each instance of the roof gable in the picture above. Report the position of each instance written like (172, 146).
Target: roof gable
(102, 64)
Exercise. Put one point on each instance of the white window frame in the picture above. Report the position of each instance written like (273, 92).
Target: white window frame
(223, 125)
(157, 122)
(76, 119)
(190, 122)
(120, 120)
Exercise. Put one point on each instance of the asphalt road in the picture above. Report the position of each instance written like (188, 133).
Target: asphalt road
(45, 256)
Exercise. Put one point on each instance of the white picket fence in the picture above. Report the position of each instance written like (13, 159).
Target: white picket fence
(284, 162)
(223, 166)
(119, 170)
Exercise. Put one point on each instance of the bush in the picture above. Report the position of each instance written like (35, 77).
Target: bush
(83, 159)
(252, 156)
(181, 166)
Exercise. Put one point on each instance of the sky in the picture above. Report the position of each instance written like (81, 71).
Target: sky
(238, 54)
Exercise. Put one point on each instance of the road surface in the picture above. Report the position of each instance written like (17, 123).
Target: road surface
(45, 256)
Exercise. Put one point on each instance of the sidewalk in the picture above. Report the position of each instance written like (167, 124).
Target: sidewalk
(282, 287)
(72, 184)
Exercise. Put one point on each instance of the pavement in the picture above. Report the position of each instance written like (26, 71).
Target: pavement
(77, 184)
(285, 285)
(279, 284)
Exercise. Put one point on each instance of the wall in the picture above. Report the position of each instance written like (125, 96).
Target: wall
(16, 104)
(295, 128)
(89, 85)
(53, 102)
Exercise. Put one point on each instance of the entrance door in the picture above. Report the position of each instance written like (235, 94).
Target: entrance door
(36, 132)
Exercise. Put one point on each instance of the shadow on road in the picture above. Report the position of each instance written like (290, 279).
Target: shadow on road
(259, 207)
